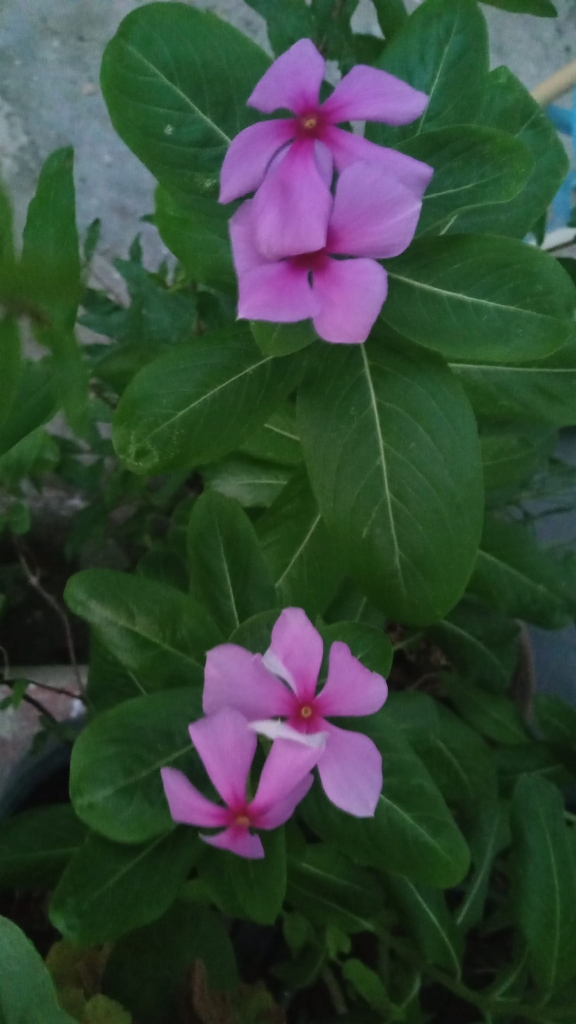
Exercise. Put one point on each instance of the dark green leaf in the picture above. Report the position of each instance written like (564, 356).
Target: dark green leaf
(115, 783)
(286, 24)
(10, 367)
(534, 759)
(541, 8)
(492, 714)
(507, 105)
(304, 563)
(164, 566)
(329, 890)
(412, 832)
(148, 969)
(259, 885)
(557, 719)
(541, 391)
(108, 890)
(391, 442)
(33, 405)
(199, 402)
(457, 758)
(277, 440)
(392, 15)
(36, 845)
(442, 49)
(197, 234)
(510, 456)
(426, 917)
(158, 634)
(27, 995)
(255, 634)
(369, 985)
(282, 339)
(473, 166)
(370, 645)
(120, 363)
(176, 81)
(251, 483)
(228, 573)
(514, 575)
(481, 644)
(490, 834)
(108, 682)
(545, 880)
(480, 299)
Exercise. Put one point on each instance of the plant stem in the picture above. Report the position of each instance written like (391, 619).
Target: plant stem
(32, 701)
(336, 994)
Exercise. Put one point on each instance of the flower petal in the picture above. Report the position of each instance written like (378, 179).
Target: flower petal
(292, 207)
(278, 292)
(351, 771)
(292, 82)
(249, 155)
(374, 213)
(367, 94)
(351, 293)
(273, 729)
(295, 652)
(237, 679)
(244, 252)
(351, 689)
(284, 809)
(187, 805)
(226, 745)
(348, 149)
(239, 841)
(288, 762)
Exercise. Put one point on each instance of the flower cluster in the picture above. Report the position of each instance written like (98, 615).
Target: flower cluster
(289, 240)
(274, 695)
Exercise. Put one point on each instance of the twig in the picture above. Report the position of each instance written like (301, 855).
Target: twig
(58, 689)
(32, 700)
(338, 1001)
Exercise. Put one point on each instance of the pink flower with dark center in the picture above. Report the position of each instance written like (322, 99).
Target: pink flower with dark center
(292, 204)
(226, 745)
(350, 767)
(372, 216)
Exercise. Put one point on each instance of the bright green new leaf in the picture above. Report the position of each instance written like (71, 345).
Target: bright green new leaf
(27, 995)
(176, 81)
(197, 234)
(115, 783)
(158, 634)
(392, 452)
(480, 299)
(200, 401)
(228, 574)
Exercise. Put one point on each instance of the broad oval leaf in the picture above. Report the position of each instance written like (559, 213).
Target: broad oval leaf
(277, 440)
(392, 452)
(108, 889)
(412, 833)
(115, 783)
(197, 234)
(176, 81)
(36, 845)
(199, 401)
(281, 339)
(158, 634)
(370, 645)
(481, 299)
(253, 484)
(27, 993)
(545, 881)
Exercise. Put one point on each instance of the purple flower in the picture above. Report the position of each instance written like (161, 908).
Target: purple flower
(226, 745)
(350, 766)
(372, 216)
(292, 204)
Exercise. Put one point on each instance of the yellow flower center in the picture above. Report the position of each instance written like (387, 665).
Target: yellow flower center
(306, 711)
(242, 820)
(309, 123)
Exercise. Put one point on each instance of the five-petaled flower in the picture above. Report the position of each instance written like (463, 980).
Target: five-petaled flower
(373, 216)
(226, 745)
(289, 161)
(350, 767)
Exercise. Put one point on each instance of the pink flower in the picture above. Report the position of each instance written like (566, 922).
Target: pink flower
(372, 216)
(292, 204)
(350, 767)
(226, 745)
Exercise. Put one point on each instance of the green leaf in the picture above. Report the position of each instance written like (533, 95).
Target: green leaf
(115, 783)
(198, 402)
(390, 442)
(227, 570)
(282, 339)
(255, 634)
(514, 575)
(259, 885)
(10, 367)
(545, 880)
(156, 632)
(197, 234)
(251, 483)
(557, 720)
(147, 970)
(286, 24)
(492, 714)
(473, 167)
(277, 440)
(534, 759)
(392, 15)
(489, 836)
(510, 456)
(36, 845)
(426, 917)
(330, 890)
(370, 986)
(507, 105)
(480, 299)
(442, 49)
(34, 403)
(108, 890)
(370, 645)
(303, 561)
(176, 81)
(541, 8)
(541, 391)
(27, 995)
(108, 682)
(412, 833)
(481, 644)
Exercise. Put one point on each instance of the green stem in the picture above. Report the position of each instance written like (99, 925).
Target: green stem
(409, 641)
(336, 995)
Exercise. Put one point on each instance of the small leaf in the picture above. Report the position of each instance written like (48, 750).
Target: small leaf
(27, 995)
